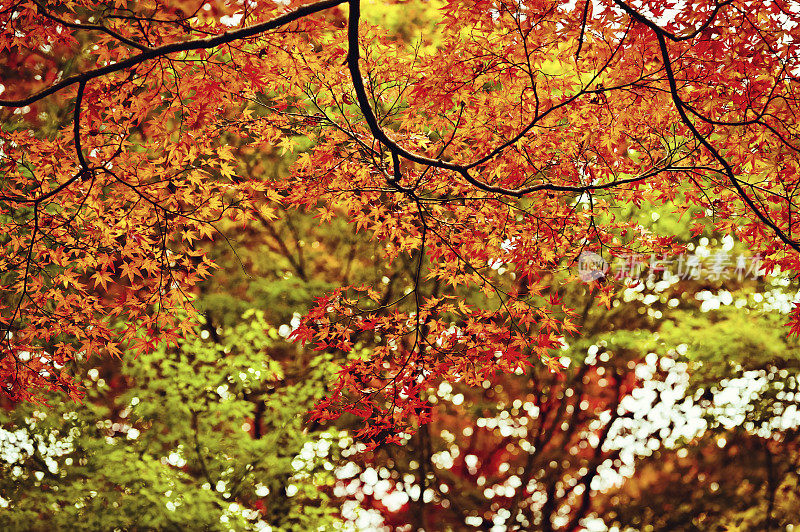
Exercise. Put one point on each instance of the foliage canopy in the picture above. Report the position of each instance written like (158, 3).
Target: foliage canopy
(489, 153)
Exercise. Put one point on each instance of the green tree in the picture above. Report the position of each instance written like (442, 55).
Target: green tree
(208, 434)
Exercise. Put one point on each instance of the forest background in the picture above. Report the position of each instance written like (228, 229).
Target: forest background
(322, 350)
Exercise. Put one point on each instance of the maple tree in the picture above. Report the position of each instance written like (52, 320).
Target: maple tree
(654, 424)
(491, 457)
(157, 437)
(492, 156)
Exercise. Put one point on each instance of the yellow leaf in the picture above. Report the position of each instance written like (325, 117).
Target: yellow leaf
(286, 144)
(226, 170)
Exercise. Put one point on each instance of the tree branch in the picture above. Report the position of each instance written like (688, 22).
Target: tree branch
(679, 105)
(194, 44)
(664, 33)
(89, 27)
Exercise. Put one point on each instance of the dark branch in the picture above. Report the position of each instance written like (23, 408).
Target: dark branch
(89, 27)
(583, 29)
(167, 49)
(76, 127)
(728, 170)
(661, 31)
